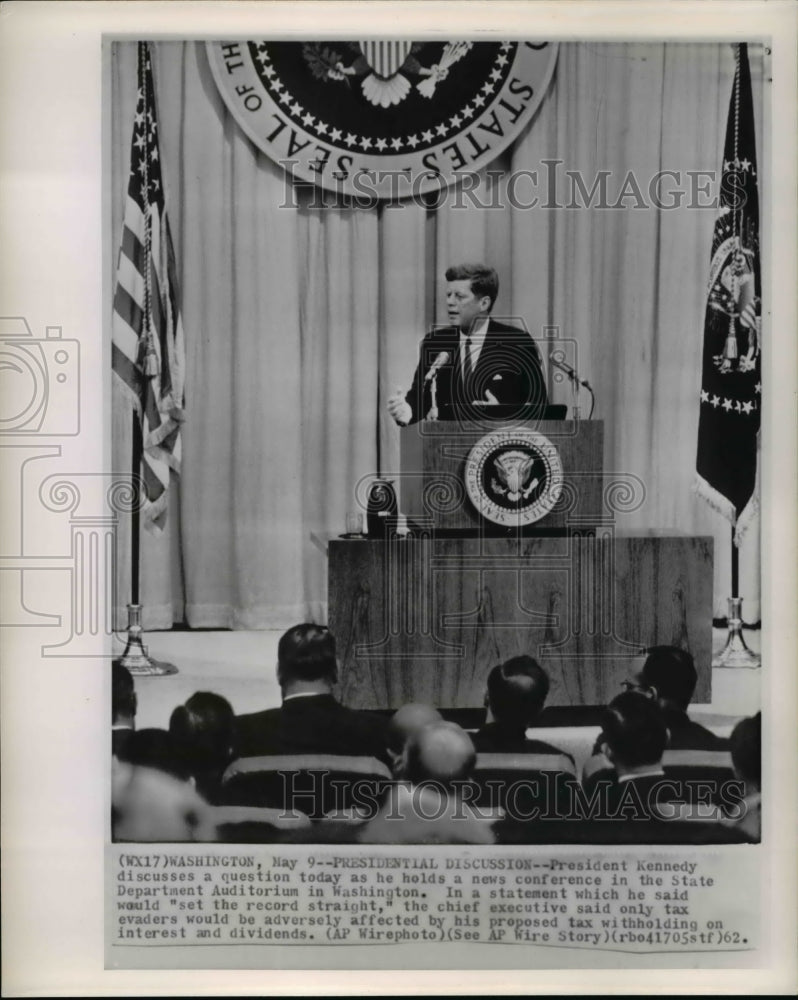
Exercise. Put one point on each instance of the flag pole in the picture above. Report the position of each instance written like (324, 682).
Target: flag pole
(135, 521)
(135, 657)
(736, 652)
(148, 352)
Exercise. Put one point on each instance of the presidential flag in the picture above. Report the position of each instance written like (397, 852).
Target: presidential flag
(731, 385)
(148, 350)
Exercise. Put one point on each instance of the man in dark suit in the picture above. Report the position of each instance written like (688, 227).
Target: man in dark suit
(484, 367)
(516, 693)
(634, 740)
(123, 708)
(669, 676)
(746, 753)
(638, 804)
(310, 720)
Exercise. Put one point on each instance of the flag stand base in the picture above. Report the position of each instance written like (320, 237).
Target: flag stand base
(135, 656)
(735, 653)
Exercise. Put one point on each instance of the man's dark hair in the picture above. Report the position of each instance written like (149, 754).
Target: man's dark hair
(158, 749)
(204, 729)
(484, 280)
(635, 730)
(517, 690)
(746, 749)
(307, 653)
(672, 672)
(123, 693)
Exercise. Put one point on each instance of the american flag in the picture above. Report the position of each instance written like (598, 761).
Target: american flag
(148, 351)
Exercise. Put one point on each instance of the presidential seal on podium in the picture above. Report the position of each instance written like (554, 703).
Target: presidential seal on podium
(514, 477)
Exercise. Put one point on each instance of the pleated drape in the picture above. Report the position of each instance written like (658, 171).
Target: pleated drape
(301, 321)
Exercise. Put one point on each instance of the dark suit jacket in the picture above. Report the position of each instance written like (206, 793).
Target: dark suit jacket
(509, 366)
(315, 724)
(689, 735)
(491, 738)
(684, 734)
(634, 800)
(119, 741)
(630, 815)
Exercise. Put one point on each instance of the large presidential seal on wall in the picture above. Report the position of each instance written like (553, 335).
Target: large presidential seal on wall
(513, 477)
(386, 119)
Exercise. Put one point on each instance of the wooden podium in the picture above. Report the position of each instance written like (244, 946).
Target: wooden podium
(424, 617)
(433, 456)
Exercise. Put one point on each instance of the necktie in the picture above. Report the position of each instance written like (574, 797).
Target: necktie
(467, 370)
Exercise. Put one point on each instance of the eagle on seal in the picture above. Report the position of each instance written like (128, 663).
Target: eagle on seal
(385, 68)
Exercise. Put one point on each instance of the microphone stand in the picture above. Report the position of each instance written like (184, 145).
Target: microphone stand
(433, 410)
(575, 383)
(575, 411)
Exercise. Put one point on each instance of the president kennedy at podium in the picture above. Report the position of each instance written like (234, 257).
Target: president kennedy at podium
(478, 367)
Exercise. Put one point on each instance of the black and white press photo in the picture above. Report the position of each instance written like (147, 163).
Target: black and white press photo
(425, 569)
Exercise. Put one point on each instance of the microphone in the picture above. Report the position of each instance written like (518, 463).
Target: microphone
(569, 371)
(441, 360)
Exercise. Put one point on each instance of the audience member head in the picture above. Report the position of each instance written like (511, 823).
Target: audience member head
(517, 691)
(159, 750)
(149, 805)
(746, 751)
(306, 659)
(440, 752)
(408, 720)
(123, 696)
(204, 730)
(668, 674)
(635, 735)
(484, 280)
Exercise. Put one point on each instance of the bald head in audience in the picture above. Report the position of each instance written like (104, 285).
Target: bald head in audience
(441, 752)
(406, 722)
(150, 805)
(430, 805)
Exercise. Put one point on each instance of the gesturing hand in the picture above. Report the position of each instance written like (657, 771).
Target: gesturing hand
(399, 408)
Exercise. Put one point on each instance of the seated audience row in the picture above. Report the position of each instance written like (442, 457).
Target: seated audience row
(438, 785)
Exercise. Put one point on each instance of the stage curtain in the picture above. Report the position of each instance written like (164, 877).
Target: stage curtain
(300, 321)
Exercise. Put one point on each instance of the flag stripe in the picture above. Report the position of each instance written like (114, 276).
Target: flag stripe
(127, 308)
(129, 277)
(133, 249)
(125, 339)
(126, 370)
